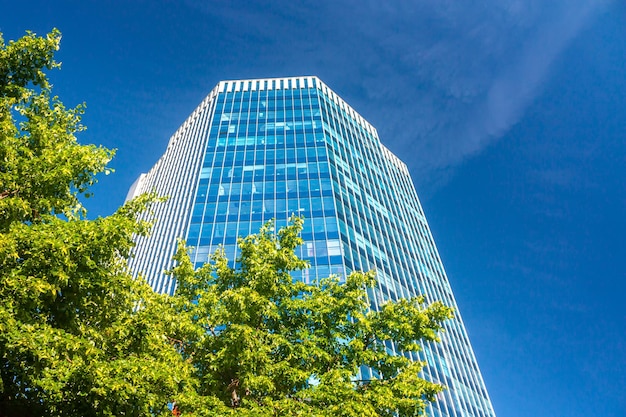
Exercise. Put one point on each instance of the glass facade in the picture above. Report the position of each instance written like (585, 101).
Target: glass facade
(256, 150)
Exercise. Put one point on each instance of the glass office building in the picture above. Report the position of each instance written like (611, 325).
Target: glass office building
(263, 149)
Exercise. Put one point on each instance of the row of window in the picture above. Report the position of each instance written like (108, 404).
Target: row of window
(294, 170)
(289, 139)
(318, 252)
(229, 234)
(266, 157)
(309, 114)
(243, 227)
(252, 127)
(297, 206)
(258, 211)
(270, 104)
(261, 190)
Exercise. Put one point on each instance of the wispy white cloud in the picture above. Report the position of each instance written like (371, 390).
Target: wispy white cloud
(470, 78)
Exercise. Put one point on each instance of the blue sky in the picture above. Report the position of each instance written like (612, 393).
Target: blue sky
(511, 115)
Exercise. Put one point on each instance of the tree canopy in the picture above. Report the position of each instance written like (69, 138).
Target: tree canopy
(264, 344)
(80, 336)
(72, 341)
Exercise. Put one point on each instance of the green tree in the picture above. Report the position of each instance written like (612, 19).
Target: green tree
(262, 344)
(72, 340)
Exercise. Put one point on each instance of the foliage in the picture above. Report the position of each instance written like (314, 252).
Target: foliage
(43, 169)
(262, 344)
(72, 341)
(80, 337)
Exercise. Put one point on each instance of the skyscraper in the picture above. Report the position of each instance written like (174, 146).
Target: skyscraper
(265, 149)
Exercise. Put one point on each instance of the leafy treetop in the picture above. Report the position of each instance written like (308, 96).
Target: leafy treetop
(72, 340)
(42, 166)
(264, 344)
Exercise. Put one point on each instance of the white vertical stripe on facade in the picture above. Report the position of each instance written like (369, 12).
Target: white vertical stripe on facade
(174, 175)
